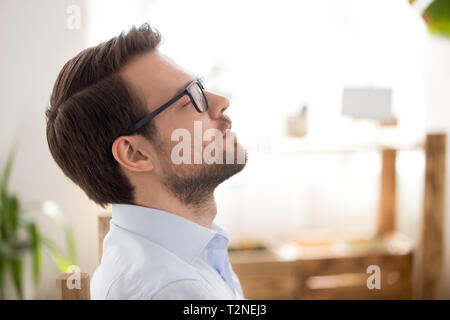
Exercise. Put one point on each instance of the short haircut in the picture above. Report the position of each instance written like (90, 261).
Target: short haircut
(90, 106)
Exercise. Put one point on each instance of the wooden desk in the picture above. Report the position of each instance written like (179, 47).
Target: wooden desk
(328, 271)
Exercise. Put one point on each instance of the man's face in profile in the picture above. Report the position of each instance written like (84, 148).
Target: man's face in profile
(158, 80)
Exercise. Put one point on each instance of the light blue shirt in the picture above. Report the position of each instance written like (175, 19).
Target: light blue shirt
(154, 254)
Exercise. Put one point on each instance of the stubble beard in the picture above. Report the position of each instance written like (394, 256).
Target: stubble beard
(194, 184)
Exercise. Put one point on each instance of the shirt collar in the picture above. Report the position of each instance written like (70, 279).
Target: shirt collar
(181, 236)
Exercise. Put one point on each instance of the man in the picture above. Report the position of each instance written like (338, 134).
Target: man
(113, 126)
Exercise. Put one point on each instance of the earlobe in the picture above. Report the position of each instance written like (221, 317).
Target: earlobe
(129, 153)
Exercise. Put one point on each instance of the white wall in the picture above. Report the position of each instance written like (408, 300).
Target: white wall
(35, 43)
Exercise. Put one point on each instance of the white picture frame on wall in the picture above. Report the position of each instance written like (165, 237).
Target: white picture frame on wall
(368, 103)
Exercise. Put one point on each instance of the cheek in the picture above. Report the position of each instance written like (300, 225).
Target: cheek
(169, 126)
(180, 127)
(195, 126)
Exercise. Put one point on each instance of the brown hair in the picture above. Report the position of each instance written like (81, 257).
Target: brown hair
(90, 106)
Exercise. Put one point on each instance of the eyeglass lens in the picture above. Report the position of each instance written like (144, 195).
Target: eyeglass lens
(198, 96)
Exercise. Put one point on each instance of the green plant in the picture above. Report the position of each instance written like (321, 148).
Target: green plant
(437, 17)
(303, 110)
(19, 234)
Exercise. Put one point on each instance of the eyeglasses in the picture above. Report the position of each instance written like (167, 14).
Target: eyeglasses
(195, 92)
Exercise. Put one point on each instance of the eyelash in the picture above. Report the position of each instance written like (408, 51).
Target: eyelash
(187, 102)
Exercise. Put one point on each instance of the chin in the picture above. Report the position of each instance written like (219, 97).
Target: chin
(238, 150)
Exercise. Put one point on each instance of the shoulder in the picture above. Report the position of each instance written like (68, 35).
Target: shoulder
(185, 289)
(135, 268)
(125, 288)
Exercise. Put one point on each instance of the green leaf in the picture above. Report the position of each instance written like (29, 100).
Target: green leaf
(35, 248)
(437, 17)
(51, 209)
(2, 273)
(19, 233)
(16, 270)
(56, 254)
(12, 208)
(4, 199)
(70, 240)
(7, 172)
(3, 234)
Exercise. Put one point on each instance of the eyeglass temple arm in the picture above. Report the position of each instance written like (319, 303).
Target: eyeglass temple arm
(153, 114)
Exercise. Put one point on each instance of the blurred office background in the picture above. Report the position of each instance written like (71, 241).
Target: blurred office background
(270, 58)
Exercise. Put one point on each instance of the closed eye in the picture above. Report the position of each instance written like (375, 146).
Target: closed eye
(185, 104)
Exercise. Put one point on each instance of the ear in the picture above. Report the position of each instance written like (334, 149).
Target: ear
(133, 153)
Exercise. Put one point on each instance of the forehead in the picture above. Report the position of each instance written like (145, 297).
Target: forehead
(156, 76)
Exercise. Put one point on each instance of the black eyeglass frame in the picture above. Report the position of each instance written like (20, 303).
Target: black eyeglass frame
(142, 122)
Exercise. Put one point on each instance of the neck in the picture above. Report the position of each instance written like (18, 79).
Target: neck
(161, 199)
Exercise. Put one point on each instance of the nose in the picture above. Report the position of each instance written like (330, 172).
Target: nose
(217, 104)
